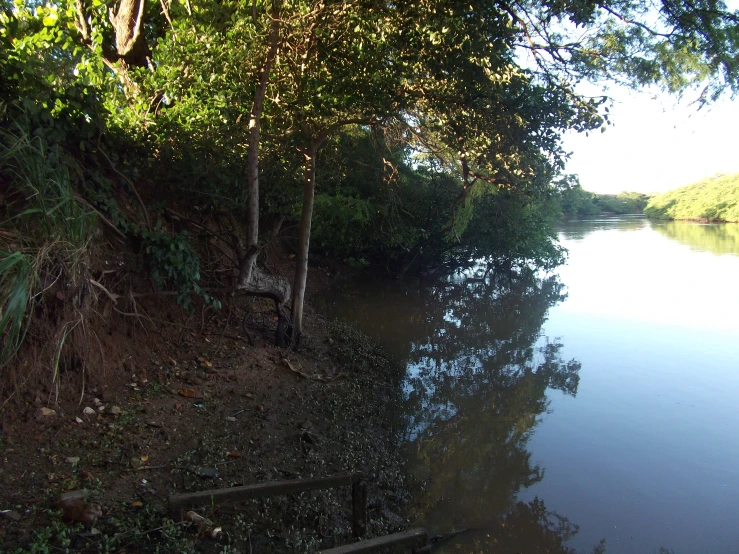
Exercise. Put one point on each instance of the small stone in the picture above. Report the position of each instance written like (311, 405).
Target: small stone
(11, 515)
(88, 411)
(97, 401)
(230, 418)
(101, 409)
(78, 420)
(71, 496)
(45, 412)
(73, 459)
(116, 410)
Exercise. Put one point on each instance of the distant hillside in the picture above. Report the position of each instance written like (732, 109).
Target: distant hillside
(574, 200)
(712, 199)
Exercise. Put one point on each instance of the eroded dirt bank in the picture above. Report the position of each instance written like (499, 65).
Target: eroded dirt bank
(196, 410)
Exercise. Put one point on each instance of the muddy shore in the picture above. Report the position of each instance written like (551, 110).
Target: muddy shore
(197, 409)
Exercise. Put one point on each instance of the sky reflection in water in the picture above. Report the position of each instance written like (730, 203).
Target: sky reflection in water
(611, 400)
(651, 456)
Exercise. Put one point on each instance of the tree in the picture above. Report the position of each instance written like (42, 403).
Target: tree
(479, 92)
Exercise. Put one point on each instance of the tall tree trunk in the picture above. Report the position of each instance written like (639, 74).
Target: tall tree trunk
(252, 156)
(309, 189)
(301, 269)
(252, 280)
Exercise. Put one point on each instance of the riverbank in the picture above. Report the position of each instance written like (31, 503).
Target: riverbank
(714, 199)
(200, 409)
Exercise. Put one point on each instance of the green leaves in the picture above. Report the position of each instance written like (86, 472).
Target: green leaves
(15, 283)
(173, 262)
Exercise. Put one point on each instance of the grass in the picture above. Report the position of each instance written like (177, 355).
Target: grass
(44, 232)
(712, 199)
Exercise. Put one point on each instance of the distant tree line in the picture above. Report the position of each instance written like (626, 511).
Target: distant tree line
(575, 201)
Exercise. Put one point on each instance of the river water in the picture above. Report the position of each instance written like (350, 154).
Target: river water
(594, 407)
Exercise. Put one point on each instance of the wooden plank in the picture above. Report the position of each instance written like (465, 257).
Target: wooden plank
(359, 509)
(177, 501)
(408, 539)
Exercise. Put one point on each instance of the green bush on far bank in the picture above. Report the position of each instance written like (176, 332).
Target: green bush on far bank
(712, 199)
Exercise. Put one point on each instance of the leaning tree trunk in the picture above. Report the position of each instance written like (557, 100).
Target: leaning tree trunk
(301, 270)
(248, 261)
(252, 280)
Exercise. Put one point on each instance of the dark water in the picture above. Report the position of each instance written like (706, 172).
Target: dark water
(600, 403)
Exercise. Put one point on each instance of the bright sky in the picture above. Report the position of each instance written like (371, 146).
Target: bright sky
(656, 145)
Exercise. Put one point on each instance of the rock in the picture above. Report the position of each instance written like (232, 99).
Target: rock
(73, 459)
(97, 402)
(43, 413)
(78, 420)
(116, 410)
(230, 418)
(205, 472)
(204, 525)
(73, 495)
(88, 411)
(11, 515)
(196, 518)
(75, 508)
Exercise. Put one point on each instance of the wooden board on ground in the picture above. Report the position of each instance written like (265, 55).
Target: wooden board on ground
(261, 490)
(409, 539)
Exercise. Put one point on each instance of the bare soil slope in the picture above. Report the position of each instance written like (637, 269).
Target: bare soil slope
(194, 407)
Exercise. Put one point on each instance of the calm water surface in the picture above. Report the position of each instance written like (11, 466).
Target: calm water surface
(599, 403)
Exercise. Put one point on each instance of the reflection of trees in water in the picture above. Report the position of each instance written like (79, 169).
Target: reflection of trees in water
(478, 385)
(525, 528)
(718, 238)
(576, 229)
(478, 376)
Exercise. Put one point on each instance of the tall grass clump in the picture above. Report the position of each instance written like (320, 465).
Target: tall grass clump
(44, 233)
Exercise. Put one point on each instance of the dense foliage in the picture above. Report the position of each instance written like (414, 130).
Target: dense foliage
(712, 199)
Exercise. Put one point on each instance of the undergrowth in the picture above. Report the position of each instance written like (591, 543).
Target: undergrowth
(45, 233)
(50, 279)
